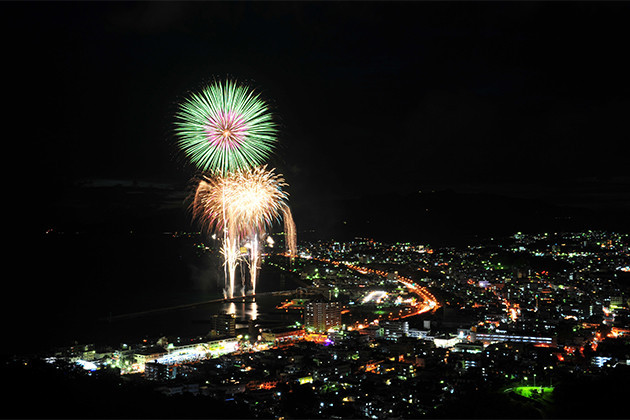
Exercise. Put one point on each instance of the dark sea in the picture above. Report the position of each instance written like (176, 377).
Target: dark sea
(116, 288)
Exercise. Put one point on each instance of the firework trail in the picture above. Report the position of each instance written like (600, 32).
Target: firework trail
(231, 255)
(224, 128)
(257, 200)
(290, 232)
(254, 257)
(242, 205)
(209, 208)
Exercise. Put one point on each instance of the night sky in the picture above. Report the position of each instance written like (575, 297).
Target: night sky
(520, 99)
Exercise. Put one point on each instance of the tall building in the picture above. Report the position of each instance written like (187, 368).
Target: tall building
(322, 315)
(223, 325)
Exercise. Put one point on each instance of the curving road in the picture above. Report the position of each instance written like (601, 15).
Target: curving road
(428, 302)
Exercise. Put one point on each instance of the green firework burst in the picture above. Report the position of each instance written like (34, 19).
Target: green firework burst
(224, 128)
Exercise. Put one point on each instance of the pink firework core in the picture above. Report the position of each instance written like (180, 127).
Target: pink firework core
(226, 129)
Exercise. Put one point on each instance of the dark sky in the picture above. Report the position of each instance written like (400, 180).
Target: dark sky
(529, 99)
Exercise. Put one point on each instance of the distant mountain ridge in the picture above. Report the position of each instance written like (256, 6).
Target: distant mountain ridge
(439, 217)
(445, 217)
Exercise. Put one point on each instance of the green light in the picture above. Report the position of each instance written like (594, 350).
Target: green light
(224, 128)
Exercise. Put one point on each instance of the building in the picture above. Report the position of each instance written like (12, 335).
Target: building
(393, 330)
(150, 354)
(468, 347)
(499, 338)
(322, 316)
(281, 336)
(154, 371)
(445, 341)
(223, 325)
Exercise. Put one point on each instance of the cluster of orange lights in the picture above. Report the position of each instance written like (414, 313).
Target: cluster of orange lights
(288, 305)
(254, 385)
(318, 338)
(429, 301)
(372, 366)
(616, 332)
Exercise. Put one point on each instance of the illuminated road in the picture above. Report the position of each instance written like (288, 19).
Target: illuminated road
(428, 302)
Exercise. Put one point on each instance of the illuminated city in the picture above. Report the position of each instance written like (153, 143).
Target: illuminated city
(428, 326)
(321, 210)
